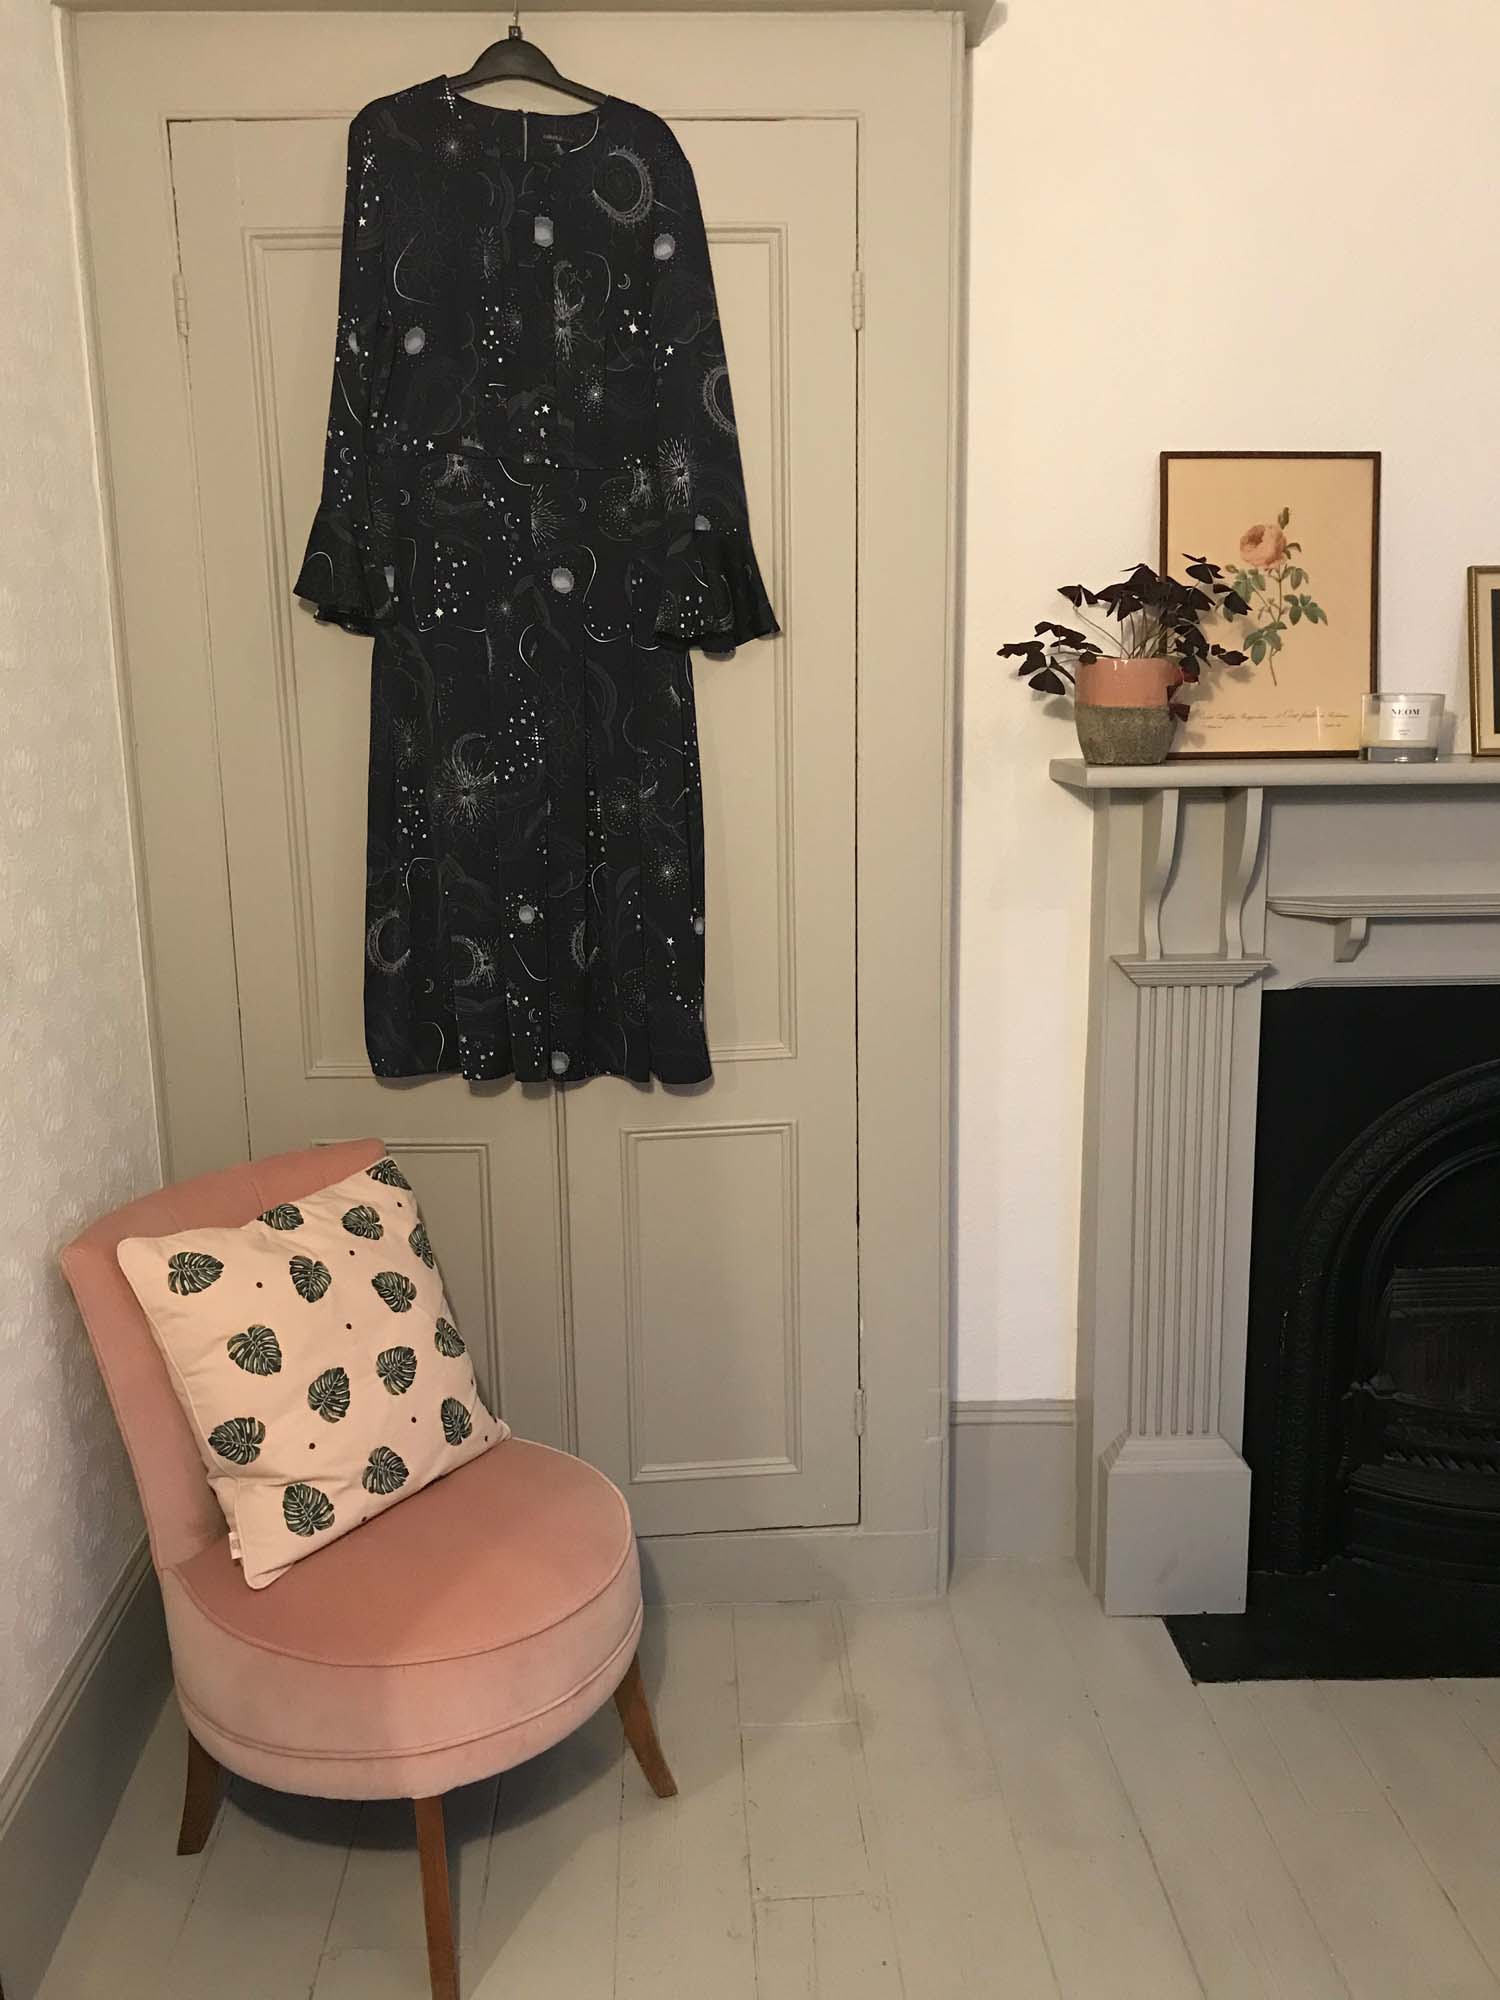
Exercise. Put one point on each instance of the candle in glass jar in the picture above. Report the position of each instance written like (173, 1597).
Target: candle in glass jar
(1401, 728)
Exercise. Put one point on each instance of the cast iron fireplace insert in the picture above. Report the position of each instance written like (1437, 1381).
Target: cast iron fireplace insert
(1372, 1414)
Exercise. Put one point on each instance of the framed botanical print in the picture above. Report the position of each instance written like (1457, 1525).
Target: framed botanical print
(1484, 659)
(1298, 535)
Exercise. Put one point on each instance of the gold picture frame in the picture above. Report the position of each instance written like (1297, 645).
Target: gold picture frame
(1484, 658)
(1298, 533)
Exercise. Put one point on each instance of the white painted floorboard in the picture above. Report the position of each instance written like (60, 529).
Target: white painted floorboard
(1002, 1794)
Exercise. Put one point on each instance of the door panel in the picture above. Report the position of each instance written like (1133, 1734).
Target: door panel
(258, 206)
(322, 700)
(709, 1219)
(717, 1227)
(658, 1285)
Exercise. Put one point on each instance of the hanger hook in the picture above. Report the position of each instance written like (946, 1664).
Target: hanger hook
(515, 22)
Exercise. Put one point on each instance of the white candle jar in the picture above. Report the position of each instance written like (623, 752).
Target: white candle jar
(1401, 728)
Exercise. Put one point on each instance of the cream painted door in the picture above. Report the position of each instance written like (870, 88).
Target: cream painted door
(668, 1278)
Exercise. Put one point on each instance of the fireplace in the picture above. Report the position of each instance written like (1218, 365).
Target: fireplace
(1372, 1414)
(1289, 1297)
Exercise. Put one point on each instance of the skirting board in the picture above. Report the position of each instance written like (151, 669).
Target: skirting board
(60, 1793)
(788, 1565)
(1013, 1479)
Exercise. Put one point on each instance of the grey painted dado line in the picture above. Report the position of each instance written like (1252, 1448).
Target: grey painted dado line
(60, 1793)
(1205, 879)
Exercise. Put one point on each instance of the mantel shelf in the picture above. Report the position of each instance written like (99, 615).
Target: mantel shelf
(1233, 774)
(1351, 916)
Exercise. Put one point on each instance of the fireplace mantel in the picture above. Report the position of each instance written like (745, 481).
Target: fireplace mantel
(1213, 880)
(1217, 774)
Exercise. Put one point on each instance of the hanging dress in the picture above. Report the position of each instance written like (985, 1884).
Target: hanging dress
(533, 502)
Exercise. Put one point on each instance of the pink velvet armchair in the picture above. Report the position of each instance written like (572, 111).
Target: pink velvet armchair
(452, 1637)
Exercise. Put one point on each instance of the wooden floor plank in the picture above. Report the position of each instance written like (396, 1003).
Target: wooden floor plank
(1110, 1930)
(379, 1901)
(826, 1948)
(685, 1922)
(366, 1972)
(139, 1891)
(1249, 1932)
(1461, 1846)
(1414, 1740)
(854, 1953)
(1392, 1932)
(547, 1929)
(1478, 1701)
(1320, 1757)
(807, 1837)
(260, 1918)
(1003, 1794)
(785, 1954)
(790, 1664)
(961, 1910)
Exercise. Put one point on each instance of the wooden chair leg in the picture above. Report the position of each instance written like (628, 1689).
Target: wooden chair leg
(640, 1732)
(437, 1900)
(200, 1804)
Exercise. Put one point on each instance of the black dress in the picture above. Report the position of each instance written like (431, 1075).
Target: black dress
(533, 500)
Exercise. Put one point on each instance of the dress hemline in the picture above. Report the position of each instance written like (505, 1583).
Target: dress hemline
(678, 1074)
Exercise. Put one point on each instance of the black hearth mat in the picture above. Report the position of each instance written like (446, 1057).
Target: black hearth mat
(1352, 1621)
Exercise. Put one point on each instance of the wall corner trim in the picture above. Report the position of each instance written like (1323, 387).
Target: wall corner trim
(62, 1787)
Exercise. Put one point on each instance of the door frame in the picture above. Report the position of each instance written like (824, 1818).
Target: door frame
(898, 77)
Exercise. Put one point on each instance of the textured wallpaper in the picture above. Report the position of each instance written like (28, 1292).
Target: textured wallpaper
(77, 1124)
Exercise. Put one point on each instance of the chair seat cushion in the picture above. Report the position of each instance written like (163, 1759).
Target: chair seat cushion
(449, 1639)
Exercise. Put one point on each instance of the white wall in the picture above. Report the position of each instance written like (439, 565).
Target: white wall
(77, 1122)
(1257, 226)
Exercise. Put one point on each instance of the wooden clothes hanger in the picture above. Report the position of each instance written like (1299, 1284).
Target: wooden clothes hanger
(516, 60)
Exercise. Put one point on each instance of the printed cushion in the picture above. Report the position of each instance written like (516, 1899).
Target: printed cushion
(315, 1354)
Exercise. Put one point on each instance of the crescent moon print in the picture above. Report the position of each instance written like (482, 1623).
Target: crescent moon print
(533, 508)
(374, 949)
(624, 188)
(716, 401)
(482, 966)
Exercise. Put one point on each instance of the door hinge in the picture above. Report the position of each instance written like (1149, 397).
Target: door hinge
(861, 1410)
(179, 302)
(857, 300)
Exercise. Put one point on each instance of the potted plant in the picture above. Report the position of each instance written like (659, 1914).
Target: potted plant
(1151, 643)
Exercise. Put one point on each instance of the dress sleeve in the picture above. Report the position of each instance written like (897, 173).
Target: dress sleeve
(712, 594)
(343, 576)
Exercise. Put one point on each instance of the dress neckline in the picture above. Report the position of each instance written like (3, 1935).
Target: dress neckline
(556, 124)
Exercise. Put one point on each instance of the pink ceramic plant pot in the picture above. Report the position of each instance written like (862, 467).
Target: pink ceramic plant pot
(1111, 683)
(1120, 710)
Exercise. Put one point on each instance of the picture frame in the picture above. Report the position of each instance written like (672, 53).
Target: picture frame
(1484, 658)
(1301, 530)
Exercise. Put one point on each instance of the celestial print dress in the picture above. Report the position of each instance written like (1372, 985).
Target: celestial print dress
(533, 501)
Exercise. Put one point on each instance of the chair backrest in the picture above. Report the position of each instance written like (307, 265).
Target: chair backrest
(182, 1515)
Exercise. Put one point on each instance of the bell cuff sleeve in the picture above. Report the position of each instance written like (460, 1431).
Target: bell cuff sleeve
(344, 576)
(335, 581)
(711, 594)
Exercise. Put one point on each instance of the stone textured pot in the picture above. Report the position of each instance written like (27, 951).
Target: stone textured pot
(1120, 710)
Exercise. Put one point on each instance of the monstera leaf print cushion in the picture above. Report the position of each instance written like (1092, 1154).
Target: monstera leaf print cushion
(316, 1357)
